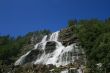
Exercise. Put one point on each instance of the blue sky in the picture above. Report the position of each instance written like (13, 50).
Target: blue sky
(18, 17)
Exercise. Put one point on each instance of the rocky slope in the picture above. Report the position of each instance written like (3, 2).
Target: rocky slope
(66, 36)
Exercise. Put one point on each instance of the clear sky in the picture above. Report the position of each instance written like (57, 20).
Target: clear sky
(18, 17)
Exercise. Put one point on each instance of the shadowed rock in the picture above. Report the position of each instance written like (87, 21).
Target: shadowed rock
(50, 46)
(33, 55)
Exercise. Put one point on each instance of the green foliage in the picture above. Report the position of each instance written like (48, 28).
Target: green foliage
(94, 36)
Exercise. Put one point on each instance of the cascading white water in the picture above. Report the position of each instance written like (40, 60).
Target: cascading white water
(56, 57)
(42, 42)
(51, 58)
(44, 39)
(60, 56)
(64, 57)
(54, 36)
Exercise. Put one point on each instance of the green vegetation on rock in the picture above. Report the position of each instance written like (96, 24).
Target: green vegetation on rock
(94, 37)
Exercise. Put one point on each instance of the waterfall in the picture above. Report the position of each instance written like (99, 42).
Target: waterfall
(44, 39)
(57, 56)
(51, 58)
(61, 55)
(54, 36)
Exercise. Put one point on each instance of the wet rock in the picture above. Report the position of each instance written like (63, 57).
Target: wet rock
(33, 55)
(50, 46)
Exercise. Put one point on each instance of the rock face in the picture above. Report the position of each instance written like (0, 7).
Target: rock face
(34, 54)
(50, 46)
(67, 37)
